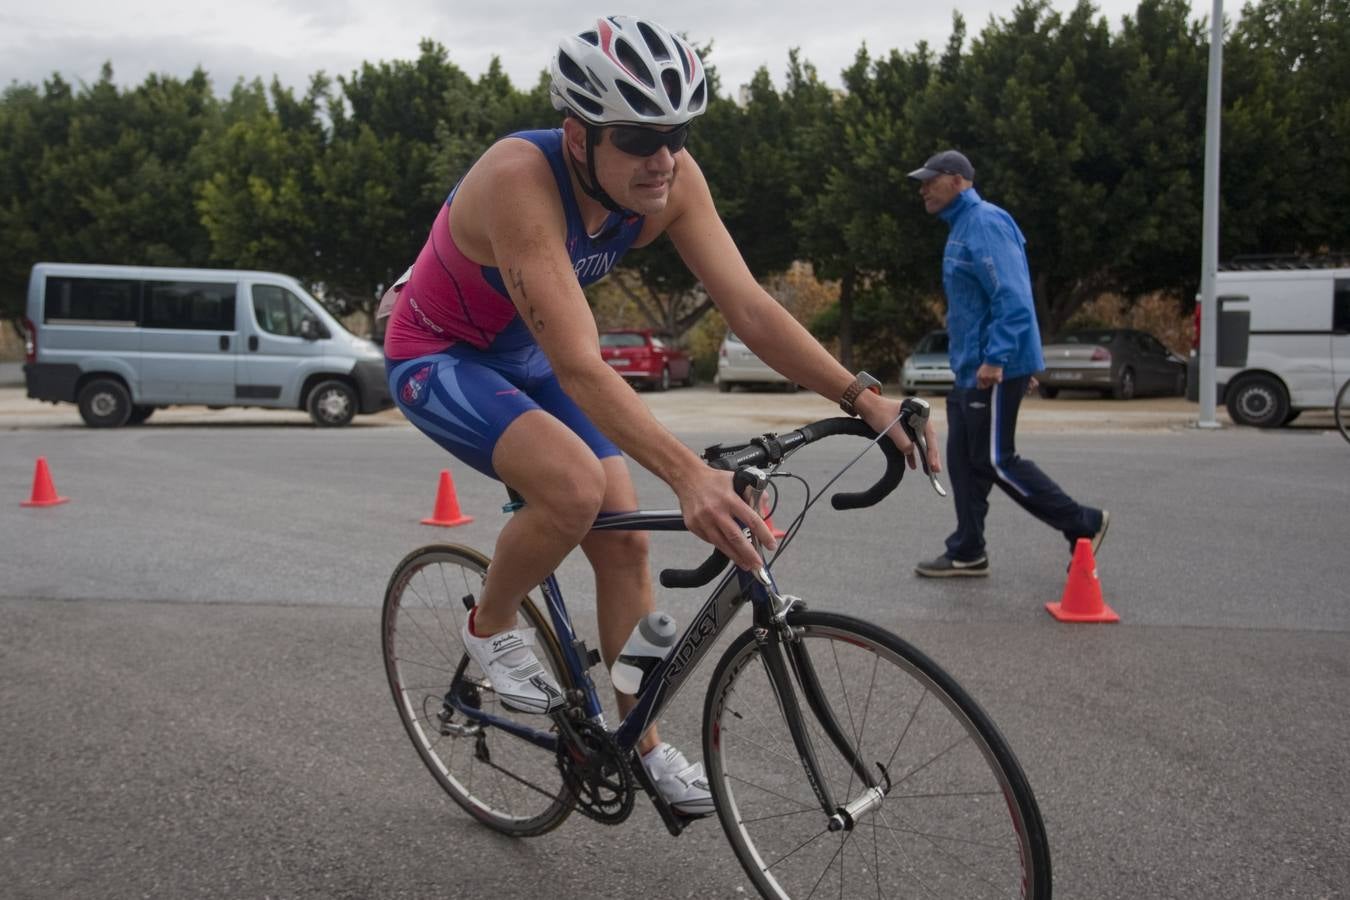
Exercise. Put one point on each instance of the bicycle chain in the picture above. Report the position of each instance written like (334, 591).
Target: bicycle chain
(600, 779)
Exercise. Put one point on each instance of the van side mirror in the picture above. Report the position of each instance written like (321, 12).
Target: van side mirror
(309, 328)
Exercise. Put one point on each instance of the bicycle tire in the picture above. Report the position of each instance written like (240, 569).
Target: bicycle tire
(503, 781)
(958, 820)
(1342, 410)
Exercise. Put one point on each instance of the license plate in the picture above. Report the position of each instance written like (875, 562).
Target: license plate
(1068, 376)
(619, 363)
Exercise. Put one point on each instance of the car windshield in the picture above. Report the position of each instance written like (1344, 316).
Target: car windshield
(933, 342)
(622, 339)
(1086, 337)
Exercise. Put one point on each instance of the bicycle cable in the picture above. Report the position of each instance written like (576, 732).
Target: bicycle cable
(800, 519)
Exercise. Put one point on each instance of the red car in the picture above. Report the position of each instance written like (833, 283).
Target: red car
(643, 358)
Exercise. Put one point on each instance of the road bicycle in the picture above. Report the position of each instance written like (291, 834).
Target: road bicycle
(842, 761)
(1343, 410)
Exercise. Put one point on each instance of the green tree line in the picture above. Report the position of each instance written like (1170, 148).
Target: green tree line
(1091, 135)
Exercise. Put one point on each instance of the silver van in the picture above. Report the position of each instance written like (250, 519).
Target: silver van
(123, 341)
(1283, 340)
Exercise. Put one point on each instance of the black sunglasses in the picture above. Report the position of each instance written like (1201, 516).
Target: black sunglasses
(637, 140)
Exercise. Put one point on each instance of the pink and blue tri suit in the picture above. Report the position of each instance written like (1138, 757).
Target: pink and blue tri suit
(462, 364)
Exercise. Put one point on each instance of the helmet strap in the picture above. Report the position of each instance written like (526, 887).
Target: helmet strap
(592, 187)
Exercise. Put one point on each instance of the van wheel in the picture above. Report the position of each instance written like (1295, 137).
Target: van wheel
(331, 404)
(105, 403)
(1258, 400)
(139, 414)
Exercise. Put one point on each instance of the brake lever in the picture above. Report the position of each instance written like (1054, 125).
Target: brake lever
(914, 420)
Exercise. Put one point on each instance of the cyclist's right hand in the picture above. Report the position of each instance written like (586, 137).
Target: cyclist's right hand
(711, 511)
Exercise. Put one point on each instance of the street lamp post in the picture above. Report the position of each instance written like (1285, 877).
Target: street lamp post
(1209, 254)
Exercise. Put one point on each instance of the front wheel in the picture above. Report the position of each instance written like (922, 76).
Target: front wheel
(503, 781)
(331, 404)
(951, 815)
(1343, 410)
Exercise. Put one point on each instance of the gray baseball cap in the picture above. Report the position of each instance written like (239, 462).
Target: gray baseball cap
(948, 162)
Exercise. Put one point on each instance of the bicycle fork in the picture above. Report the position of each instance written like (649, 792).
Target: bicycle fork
(774, 644)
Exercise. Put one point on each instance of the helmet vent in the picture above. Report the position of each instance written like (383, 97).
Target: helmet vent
(585, 103)
(698, 99)
(670, 80)
(590, 37)
(637, 100)
(573, 73)
(660, 52)
(633, 62)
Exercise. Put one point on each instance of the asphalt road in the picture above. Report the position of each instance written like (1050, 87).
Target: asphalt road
(194, 702)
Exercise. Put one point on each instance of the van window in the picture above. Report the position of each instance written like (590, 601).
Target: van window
(189, 305)
(1340, 315)
(91, 300)
(277, 310)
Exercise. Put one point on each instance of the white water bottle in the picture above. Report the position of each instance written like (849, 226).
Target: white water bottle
(649, 643)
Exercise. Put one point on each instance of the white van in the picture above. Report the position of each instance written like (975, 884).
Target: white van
(1283, 341)
(123, 341)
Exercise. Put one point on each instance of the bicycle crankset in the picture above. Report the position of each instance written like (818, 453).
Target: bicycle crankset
(596, 771)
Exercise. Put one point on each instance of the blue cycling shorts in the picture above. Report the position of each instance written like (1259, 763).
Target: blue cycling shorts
(464, 399)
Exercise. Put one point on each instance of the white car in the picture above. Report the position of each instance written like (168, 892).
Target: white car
(928, 368)
(737, 364)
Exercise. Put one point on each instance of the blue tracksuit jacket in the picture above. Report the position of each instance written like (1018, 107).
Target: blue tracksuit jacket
(991, 317)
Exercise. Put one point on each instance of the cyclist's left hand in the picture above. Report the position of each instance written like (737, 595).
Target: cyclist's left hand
(878, 412)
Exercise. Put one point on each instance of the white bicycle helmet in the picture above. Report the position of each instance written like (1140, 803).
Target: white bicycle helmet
(628, 70)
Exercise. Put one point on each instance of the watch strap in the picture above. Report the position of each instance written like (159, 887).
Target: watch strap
(863, 382)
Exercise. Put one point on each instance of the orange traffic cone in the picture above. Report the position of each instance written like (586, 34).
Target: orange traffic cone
(44, 492)
(447, 512)
(1082, 600)
(768, 519)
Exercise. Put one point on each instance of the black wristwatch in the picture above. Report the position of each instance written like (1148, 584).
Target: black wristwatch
(863, 382)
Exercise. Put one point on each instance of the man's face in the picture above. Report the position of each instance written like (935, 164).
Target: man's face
(637, 180)
(940, 190)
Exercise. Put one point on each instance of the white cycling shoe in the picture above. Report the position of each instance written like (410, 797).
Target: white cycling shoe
(520, 681)
(681, 783)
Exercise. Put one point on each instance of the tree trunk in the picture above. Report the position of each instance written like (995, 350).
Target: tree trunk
(846, 321)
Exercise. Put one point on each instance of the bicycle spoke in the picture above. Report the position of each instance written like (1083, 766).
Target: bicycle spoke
(514, 786)
(949, 824)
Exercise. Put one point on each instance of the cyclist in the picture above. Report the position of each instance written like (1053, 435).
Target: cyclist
(494, 354)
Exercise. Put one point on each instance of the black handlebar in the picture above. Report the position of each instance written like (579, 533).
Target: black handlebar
(772, 448)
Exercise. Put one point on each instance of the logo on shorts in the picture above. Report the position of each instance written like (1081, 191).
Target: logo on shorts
(414, 391)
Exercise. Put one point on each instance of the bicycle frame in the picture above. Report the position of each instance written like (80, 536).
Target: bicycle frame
(734, 589)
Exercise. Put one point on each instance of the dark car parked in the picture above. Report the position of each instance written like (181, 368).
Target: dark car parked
(1119, 362)
(644, 358)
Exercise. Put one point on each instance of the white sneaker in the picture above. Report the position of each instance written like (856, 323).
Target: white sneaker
(519, 679)
(681, 783)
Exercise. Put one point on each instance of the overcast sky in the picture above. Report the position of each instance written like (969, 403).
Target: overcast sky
(295, 38)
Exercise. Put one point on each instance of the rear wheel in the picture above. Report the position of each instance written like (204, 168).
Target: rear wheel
(503, 781)
(1258, 400)
(331, 404)
(950, 813)
(663, 383)
(1047, 391)
(723, 387)
(105, 403)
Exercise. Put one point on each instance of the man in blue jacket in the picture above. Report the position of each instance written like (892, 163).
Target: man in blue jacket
(995, 349)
